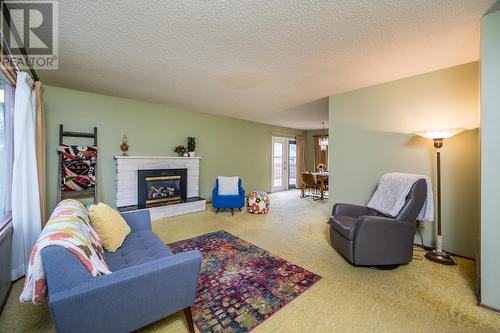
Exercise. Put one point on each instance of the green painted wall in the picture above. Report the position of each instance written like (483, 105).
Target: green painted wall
(490, 159)
(227, 146)
(373, 130)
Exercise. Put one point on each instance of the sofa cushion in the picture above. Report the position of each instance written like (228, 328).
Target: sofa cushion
(138, 248)
(110, 226)
(345, 225)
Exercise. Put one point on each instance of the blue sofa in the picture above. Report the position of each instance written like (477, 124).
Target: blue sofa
(147, 283)
(228, 201)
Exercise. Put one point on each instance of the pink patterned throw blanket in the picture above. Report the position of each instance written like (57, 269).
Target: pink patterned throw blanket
(69, 227)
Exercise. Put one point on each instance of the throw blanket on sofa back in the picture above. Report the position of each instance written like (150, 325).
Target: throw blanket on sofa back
(68, 226)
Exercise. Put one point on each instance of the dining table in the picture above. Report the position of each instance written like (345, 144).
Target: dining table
(322, 178)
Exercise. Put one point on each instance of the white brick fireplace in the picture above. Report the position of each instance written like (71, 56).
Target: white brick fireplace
(127, 168)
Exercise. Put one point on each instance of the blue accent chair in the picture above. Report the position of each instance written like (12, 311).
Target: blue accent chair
(147, 283)
(228, 201)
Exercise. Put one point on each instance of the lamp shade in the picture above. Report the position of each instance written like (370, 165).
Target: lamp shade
(440, 134)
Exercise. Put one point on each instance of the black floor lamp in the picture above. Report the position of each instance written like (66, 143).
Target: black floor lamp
(438, 255)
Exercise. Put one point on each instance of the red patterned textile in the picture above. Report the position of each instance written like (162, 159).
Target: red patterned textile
(78, 167)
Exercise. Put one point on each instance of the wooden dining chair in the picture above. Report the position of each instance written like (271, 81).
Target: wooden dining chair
(325, 187)
(310, 184)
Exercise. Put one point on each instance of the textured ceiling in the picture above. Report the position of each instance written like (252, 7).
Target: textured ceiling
(258, 60)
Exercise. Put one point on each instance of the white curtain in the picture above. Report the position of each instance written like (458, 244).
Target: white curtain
(26, 218)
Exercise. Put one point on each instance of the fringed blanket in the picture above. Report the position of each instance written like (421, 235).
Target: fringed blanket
(69, 226)
(78, 167)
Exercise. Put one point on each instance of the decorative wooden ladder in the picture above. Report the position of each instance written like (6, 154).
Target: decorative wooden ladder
(93, 191)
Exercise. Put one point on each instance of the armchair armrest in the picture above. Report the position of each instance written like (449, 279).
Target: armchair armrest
(350, 210)
(387, 239)
(242, 191)
(138, 220)
(215, 193)
(128, 299)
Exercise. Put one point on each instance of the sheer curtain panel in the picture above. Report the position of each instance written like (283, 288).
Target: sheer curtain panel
(25, 193)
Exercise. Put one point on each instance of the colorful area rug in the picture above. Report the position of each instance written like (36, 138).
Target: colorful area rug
(240, 285)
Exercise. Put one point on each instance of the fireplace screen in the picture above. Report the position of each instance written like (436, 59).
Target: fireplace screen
(161, 187)
(163, 190)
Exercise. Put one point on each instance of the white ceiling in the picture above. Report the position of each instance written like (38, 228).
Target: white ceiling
(258, 60)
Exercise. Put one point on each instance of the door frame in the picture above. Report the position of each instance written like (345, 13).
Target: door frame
(286, 142)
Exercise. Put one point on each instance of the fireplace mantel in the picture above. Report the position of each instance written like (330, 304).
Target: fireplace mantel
(127, 168)
(119, 157)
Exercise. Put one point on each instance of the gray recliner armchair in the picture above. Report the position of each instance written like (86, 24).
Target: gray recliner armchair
(366, 237)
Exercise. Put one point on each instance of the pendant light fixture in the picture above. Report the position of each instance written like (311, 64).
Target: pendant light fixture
(323, 140)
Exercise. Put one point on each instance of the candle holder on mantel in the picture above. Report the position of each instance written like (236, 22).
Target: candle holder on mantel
(124, 146)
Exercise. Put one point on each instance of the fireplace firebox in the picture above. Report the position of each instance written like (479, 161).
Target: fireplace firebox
(161, 187)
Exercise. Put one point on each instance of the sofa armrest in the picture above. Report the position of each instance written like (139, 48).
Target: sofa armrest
(128, 299)
(389, 240)
(349, 210)
(138, 220)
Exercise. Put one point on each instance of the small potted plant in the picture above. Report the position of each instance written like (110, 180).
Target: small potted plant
(180, 150)
(191, 146)
(321, 167)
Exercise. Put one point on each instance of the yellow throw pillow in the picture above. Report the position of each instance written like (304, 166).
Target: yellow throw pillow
(109, 225)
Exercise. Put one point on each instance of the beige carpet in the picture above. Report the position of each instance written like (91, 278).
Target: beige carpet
(419, 297)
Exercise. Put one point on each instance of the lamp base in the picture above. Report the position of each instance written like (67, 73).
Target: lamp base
(440, 258)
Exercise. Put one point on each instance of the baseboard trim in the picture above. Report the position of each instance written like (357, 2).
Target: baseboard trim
(489, 307)
(427, 248)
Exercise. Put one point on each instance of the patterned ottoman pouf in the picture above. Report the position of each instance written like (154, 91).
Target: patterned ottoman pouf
(258, 203)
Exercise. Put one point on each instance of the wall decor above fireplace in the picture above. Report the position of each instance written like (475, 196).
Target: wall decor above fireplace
(161, 187)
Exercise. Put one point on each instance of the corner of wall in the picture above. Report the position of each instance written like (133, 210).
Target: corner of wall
(490, 159)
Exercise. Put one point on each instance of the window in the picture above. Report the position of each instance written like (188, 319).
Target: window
(6, 147)
(278, 164)
(292, 164)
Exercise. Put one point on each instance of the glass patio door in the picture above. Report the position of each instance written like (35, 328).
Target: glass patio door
(279, 164)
